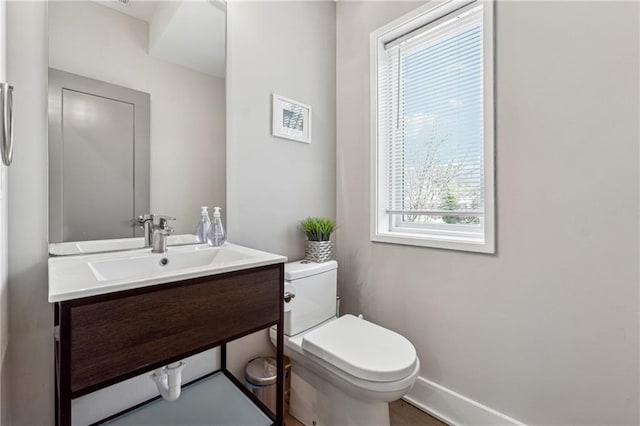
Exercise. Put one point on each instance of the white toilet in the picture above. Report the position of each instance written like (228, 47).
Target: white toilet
(344, 370)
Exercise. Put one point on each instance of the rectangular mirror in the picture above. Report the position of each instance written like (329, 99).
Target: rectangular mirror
(136, 119)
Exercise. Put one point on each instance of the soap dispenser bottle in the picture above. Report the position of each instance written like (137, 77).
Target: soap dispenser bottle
(216, 232)
(202, 230)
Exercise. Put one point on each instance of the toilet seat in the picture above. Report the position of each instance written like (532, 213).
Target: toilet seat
(354, 385)
(362, 349)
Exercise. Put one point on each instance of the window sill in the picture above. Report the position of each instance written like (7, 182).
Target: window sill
(423, 240)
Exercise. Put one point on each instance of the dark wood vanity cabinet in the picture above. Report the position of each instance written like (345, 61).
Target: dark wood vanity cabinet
(112, 337)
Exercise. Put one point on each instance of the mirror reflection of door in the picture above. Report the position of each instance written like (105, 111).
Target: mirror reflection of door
(99, 151)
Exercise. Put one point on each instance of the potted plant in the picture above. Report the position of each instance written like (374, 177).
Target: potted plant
(319, 247)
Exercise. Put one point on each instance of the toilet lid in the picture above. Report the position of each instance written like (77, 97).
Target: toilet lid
(362, 349)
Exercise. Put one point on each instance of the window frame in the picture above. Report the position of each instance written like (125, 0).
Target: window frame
(382, 229)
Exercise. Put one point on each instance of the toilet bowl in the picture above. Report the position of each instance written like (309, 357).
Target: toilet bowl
(345, 370)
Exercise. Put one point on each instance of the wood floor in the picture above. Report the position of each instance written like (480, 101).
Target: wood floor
(404, 414)
(401, 412)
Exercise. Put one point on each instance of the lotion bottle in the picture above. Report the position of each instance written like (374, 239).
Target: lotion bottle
(216, 232)
(202, 230)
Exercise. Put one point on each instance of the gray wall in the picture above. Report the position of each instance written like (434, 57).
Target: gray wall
(30, 349)
(272, 183)
(4, 289)
(545, 331)
(287, 48)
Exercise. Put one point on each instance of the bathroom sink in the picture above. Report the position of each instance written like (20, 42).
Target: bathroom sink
(98, 246)
(147, 263)
(90, 275)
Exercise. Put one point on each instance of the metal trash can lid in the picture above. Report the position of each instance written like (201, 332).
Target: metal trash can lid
(261, 371)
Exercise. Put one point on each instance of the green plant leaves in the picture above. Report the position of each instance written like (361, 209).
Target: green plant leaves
(318, 228)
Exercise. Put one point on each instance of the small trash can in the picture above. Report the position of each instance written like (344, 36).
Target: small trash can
(260, 378)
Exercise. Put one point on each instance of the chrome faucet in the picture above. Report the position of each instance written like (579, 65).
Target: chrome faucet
(156, 230)
(146, 222)
(161, 230)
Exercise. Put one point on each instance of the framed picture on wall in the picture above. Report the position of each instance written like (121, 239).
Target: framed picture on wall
(291, 119)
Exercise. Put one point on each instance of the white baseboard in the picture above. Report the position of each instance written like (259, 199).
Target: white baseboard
(453, 408)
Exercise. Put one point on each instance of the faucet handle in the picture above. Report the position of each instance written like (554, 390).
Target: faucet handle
(145, 218)
(163, 221)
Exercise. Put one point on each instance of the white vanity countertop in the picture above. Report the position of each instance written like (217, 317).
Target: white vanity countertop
(74, 277)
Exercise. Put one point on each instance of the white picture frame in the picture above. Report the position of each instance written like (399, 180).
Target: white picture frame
(291, 119)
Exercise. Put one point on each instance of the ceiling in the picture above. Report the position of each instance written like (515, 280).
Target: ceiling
(190, 33)
(140, 9)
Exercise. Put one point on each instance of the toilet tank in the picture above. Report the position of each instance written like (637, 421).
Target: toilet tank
(315, 289)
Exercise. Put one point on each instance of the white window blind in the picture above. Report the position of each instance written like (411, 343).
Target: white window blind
(431, 128)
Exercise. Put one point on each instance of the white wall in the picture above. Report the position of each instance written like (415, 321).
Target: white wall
(287, 48)
(546, 330)
(30, 350)
(187, 107)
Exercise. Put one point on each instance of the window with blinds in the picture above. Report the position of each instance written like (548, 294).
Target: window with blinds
(434, 128)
